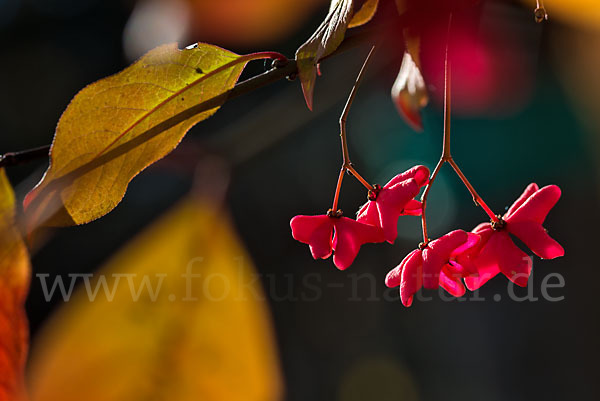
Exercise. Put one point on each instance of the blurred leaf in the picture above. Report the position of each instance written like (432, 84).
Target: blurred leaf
(401, 6)
(249, 23)
(364, 15)
(205, 337)
(15, 272)
(323, 42)
(116, 127)
(409, 92)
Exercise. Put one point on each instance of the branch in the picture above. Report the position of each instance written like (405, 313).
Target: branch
(346, 164)
(14, 158)
(285, 69)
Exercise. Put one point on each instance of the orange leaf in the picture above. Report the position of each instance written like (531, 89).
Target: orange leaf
(15, 271)
(409, 92)
(116, 127)
(187, 321)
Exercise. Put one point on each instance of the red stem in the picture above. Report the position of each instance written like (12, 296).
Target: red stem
(346, 164)
(476, 198)
(446, 155)
(364, 182)
(338, 188)
(424, 199)
(271, 55)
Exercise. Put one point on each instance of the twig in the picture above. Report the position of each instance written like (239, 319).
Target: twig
(283, 70)
(15, 158)
(446, 154)
(476, 198)
(346, 163)
(424, 200)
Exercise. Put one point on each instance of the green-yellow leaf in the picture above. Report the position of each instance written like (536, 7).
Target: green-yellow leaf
(197, 330)
(364, 14)
(323, 42)
(15, 271)
(116, 127)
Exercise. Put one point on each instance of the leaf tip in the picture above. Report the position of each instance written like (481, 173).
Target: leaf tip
(409, 92)
(308, 96)
(28, 199)
(308, 76)
(411, 116)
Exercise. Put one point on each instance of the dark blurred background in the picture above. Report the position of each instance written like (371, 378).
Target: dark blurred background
(526, 111)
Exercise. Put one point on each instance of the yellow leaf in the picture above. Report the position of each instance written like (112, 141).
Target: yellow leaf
(323, 42)
(15, 271)
(365, 14)
(116, 127)
(202, 333)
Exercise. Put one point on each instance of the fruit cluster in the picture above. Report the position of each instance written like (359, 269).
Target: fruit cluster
(452, 261)
(473, 257)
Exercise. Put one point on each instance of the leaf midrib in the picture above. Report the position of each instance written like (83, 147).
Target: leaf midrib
(224, 67)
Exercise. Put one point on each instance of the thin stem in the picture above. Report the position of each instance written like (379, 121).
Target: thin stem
(364, 182)
(343, 137)
(476, 198)
(346, 164)
(15, 158)
(446, 155)
(267, 54)
(289, 69)
(424, 199)
(447, 104)
(336, 197)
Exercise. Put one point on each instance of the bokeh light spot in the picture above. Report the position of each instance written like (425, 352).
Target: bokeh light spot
(153, 23)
